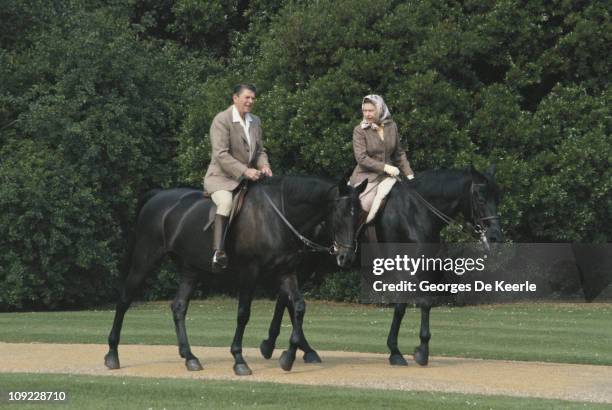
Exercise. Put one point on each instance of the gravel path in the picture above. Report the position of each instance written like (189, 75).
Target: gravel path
(366, 370)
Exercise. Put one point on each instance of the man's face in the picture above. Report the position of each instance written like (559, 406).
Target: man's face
(244, 101)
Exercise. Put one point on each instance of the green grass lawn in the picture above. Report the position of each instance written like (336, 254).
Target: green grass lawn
(88, 392)
(570, 333)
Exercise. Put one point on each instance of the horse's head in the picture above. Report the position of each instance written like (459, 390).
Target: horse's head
(484, 199)
(345, 217)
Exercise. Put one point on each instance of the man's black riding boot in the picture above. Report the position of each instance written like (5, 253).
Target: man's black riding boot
(219, 261)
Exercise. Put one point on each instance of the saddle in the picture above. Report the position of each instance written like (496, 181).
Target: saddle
(238, 195)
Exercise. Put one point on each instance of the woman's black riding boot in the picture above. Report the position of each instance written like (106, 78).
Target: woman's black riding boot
(219, 261)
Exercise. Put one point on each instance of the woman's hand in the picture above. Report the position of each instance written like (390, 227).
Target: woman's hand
(266, 171)
(391, 170)
(252, 174)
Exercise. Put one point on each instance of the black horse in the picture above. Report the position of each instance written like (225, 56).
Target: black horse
(415, 212)
(260, 244)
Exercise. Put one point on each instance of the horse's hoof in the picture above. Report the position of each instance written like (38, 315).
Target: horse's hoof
(286, 361)
(193, 365)
(111, 360)
(397, 360)
(421, 356)
(241, 369)
(266, 349)
(312, 357)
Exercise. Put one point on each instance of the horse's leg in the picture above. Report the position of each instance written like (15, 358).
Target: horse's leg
(421, 353)
(396, 357)
(310, 355)
(244, 312)
(179, 311)
(267, 346)
(296, 301)
(144, 259)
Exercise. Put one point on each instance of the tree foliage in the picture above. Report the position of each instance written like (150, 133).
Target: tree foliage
(91, 116)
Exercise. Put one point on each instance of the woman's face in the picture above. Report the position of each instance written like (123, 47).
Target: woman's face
(369, 112)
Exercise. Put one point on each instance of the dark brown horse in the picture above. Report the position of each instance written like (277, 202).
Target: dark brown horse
(261, 243)
(416, 211)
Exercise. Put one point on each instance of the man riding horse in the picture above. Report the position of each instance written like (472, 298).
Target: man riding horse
(237, 154)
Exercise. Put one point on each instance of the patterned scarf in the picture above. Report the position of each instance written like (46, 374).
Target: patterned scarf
(382, 112)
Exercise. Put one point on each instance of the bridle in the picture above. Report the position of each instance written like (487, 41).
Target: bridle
(337, 245)
(477, 216)
(476, 211)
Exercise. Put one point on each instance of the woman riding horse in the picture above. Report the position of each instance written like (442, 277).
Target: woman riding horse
(416, 211)
(378, 152)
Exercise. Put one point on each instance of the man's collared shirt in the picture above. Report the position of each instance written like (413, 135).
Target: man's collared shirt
(245, 125)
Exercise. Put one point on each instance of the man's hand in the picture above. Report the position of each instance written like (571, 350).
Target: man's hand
(411, 176)
(266, 171)
(252, 174)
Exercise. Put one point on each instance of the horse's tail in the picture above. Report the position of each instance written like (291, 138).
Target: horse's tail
(127, 257)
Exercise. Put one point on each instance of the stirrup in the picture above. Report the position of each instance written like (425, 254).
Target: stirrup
(219, 261)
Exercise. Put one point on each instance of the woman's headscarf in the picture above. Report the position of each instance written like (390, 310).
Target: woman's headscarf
(382, 112)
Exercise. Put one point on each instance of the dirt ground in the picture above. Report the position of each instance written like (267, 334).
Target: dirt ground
(364, 370)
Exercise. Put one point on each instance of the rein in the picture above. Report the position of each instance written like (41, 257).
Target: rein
(332, 250)
(478, 227)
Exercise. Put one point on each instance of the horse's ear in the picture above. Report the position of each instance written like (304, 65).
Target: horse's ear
(347, 175)
(343, 187)
(491, 169)
(361, 187)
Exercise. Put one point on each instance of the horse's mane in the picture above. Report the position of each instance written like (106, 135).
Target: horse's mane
(438, 182)
(448, 181)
